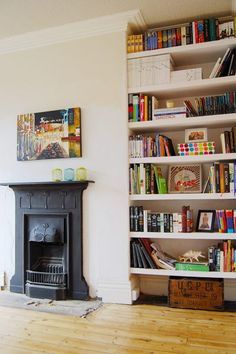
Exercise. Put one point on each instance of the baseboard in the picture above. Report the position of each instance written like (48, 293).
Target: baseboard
(116, 293)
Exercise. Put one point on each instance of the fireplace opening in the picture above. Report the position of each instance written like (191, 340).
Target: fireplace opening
(47, 259)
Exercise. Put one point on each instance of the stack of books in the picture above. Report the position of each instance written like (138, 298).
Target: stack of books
(175, 112)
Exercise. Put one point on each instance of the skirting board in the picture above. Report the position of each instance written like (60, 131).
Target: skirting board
(116, 293)
(159, 286)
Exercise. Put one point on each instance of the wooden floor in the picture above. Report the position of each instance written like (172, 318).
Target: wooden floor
(118, 329)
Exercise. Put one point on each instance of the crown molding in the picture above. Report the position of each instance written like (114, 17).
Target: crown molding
(73, 31)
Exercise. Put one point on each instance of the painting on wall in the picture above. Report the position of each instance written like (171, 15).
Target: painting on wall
(49, 135)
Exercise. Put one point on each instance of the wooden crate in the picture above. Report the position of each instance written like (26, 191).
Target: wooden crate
(196, 293)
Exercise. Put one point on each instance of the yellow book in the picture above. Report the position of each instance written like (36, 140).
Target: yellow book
(145, 107)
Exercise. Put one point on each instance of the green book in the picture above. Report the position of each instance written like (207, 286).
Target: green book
(162, 185)
(198, 267)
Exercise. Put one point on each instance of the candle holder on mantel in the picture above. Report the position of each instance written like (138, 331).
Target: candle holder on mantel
(81, 174)
(57, 175)
(69, 174)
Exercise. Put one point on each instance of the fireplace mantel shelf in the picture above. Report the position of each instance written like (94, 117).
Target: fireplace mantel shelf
(44, 184)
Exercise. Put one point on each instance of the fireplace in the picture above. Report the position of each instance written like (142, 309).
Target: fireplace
(49, 240)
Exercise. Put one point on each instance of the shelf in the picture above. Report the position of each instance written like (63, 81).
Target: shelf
(185, 236)
(183, 196)
(175, 124)
(167, 160)
(203, 87)
(191, 53)
(182, 273)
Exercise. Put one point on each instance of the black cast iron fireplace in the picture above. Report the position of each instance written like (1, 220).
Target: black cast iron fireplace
(49, 242)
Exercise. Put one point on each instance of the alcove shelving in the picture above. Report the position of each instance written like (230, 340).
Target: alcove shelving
(202, 55)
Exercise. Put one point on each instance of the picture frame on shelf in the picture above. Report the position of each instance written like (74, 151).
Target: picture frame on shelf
(185, 179)
(195, 135)
(205, 221)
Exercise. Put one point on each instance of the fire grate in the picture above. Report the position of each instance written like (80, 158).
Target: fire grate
(46, 278)
(47, 271)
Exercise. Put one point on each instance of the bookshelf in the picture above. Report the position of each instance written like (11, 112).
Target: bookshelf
(202, 55)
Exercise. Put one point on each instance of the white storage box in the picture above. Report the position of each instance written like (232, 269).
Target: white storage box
(186, 75)
(149, 71)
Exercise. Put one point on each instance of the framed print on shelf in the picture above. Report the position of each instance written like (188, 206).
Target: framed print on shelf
(205, 220)
(185, 179)
(195, 135)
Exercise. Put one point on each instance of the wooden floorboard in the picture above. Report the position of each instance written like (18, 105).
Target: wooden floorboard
(138, 329)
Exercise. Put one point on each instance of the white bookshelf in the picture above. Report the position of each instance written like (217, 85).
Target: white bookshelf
(176, 124)
(183, 196)
(214, 236)
(182, 273)
(189, 88)
(195, 55)
(168, 160)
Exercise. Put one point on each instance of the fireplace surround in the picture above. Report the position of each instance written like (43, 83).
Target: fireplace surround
(49, 240)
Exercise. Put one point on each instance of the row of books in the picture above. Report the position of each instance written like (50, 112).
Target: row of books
(197, 31)
(146, 254)
(150, 146)
(210, 105)
(221, 178)
(146, 179)
(226, 220)
(144, 108)
(142, 220)
(228, 141)
(141, 107)
(150, 221)
(225, 66)
(222, 258)
(161, 221)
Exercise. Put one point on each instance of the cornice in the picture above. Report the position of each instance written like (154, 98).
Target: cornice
(73, 31)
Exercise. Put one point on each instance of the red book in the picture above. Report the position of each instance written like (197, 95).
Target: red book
(141, 103)
(178, 36)
(225, 255)
(184, 218)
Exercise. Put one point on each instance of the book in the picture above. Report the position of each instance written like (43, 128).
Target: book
(197, 267)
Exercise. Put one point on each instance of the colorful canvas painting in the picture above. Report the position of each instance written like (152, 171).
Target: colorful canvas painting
(49, 135)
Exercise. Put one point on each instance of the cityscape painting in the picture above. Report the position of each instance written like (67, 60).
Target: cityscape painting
(49, 135)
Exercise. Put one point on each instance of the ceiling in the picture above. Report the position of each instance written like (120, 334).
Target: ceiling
(21, 16)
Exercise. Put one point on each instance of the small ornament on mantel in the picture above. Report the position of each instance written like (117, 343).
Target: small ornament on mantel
(81, 174)
(57, 175)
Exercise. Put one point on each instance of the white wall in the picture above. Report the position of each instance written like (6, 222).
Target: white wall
(89, 73)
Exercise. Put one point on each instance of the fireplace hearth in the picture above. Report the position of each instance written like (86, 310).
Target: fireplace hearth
(49, 240)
